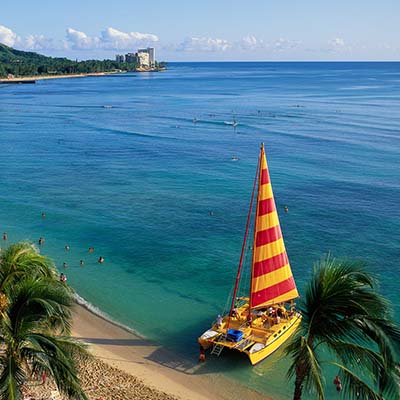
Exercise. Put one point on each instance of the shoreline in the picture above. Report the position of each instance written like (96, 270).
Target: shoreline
(157, 367)
(60, 76)
(23, 79)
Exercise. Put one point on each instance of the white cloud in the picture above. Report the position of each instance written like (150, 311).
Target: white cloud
(251, 42)
(78, 40)
(30, 42)
(204, 44)
(109, 39)
(285, 44)
(112, 38)
(337, 43)
(7, 36)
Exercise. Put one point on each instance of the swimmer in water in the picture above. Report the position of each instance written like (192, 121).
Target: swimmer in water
(91, 249)
(67, 247)
(41, 241)
(81, 263)
(100, 260)
(286, 209)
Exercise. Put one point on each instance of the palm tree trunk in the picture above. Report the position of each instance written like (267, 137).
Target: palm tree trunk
(298, 388)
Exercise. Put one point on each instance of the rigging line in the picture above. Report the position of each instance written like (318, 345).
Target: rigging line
(244, 243)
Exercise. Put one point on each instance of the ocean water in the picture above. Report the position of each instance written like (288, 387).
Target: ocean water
(138, 181)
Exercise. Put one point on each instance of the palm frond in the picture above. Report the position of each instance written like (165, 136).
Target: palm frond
(12, 377)
(355, 387)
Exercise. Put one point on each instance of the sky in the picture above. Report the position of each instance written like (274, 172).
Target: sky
(206, 30)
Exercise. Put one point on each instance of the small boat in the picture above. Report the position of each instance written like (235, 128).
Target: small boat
(107, 107)
(260, 321)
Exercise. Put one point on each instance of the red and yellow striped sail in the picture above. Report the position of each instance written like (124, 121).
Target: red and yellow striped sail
(272, 280)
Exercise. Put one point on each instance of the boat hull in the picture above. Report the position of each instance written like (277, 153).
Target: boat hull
(274, 345)
(257, 341)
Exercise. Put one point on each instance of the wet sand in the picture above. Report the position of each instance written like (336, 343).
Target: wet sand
(43, 77)
(155, 367)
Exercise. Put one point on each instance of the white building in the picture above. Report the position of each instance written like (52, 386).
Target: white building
(151, 54)
(144, 59)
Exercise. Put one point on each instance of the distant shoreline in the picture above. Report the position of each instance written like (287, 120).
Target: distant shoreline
(61, 76)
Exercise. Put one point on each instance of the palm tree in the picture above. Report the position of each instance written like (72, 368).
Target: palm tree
(35, 323)
(20, 260)
(348, 321)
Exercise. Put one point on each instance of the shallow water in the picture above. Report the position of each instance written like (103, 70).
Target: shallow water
(138, 181)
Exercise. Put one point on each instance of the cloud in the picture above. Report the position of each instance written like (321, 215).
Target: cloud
(7, 36)
(115, 39)
(251, 42)
(337, 43)
(30, 42)
(285, 44)
(204, 44)
(78, 40)
(109, 39)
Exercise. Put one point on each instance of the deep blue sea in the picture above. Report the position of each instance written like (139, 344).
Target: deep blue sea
(150, 183)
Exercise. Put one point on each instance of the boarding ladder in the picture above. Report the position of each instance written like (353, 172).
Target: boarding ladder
(217, 349)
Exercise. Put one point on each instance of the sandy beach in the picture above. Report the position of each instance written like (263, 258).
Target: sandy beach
(64, 76)
(159, 370)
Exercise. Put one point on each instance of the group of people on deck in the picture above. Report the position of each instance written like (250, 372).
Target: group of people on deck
(269, 316)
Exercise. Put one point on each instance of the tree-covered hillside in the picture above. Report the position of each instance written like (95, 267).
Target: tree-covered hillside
(24, 63)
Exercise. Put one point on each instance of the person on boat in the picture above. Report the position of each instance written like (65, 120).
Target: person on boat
(234, 313)
(202, 355)
(219, 321)
(271, 312)
(100, 260)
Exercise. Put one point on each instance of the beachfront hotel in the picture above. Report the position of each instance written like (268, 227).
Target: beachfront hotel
(144, 57)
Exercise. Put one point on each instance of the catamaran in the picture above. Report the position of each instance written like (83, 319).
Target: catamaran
(258, 323)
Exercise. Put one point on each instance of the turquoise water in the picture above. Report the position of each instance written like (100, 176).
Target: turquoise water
(137, 182)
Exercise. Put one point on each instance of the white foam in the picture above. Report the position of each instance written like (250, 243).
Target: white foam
(96, 311)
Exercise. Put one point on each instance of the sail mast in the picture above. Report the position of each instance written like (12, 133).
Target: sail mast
(259, 170)
(243, 245)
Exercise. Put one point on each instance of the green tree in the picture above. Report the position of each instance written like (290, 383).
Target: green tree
(346, 320)
(35, 323)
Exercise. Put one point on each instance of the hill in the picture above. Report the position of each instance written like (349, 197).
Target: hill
(9, 55)
(27, 63)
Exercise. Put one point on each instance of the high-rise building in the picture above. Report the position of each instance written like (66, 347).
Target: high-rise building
(144, 60)
(131, 57)
(151, 53)
(120, 58)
